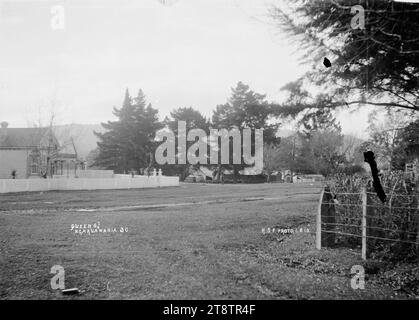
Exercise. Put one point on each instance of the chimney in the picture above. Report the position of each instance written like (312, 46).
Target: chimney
(3, 130)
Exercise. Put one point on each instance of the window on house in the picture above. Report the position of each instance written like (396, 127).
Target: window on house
(59, 167)
(34, 166)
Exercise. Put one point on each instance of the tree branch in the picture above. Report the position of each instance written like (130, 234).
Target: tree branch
(380, 104)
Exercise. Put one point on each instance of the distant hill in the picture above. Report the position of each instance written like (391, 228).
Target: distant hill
(86, 141)
(82, 134)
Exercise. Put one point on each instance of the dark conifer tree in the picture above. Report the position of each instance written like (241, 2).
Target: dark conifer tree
(128, 141)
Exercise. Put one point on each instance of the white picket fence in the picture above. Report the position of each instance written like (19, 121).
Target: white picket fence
(28, 185)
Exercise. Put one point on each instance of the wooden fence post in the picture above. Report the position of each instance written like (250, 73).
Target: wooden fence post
(328, 218)
(416, 203)
(417, 233)
(416, 216)
(319, 222)
(416, 220)
(364, 223)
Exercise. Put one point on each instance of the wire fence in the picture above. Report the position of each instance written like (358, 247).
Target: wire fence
(360, 219)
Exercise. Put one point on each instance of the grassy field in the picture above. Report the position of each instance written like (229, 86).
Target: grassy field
(190, 242)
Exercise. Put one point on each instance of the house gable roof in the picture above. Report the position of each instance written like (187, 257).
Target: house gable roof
(22, 137)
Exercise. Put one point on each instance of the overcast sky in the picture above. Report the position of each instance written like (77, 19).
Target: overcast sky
(186, 54)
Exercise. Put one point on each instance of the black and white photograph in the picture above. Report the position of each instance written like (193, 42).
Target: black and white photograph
(222, 151)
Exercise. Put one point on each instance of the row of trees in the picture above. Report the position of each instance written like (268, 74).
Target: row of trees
(128, 143)
(318, 146)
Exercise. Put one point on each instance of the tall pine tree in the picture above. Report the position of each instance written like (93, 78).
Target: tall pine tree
(245, 109)
(194, 120)
(128, 143)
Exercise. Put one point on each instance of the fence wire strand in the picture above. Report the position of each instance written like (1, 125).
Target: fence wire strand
(398, 223)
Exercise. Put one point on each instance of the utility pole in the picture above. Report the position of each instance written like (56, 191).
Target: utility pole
(75, 151)
(292, 159)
